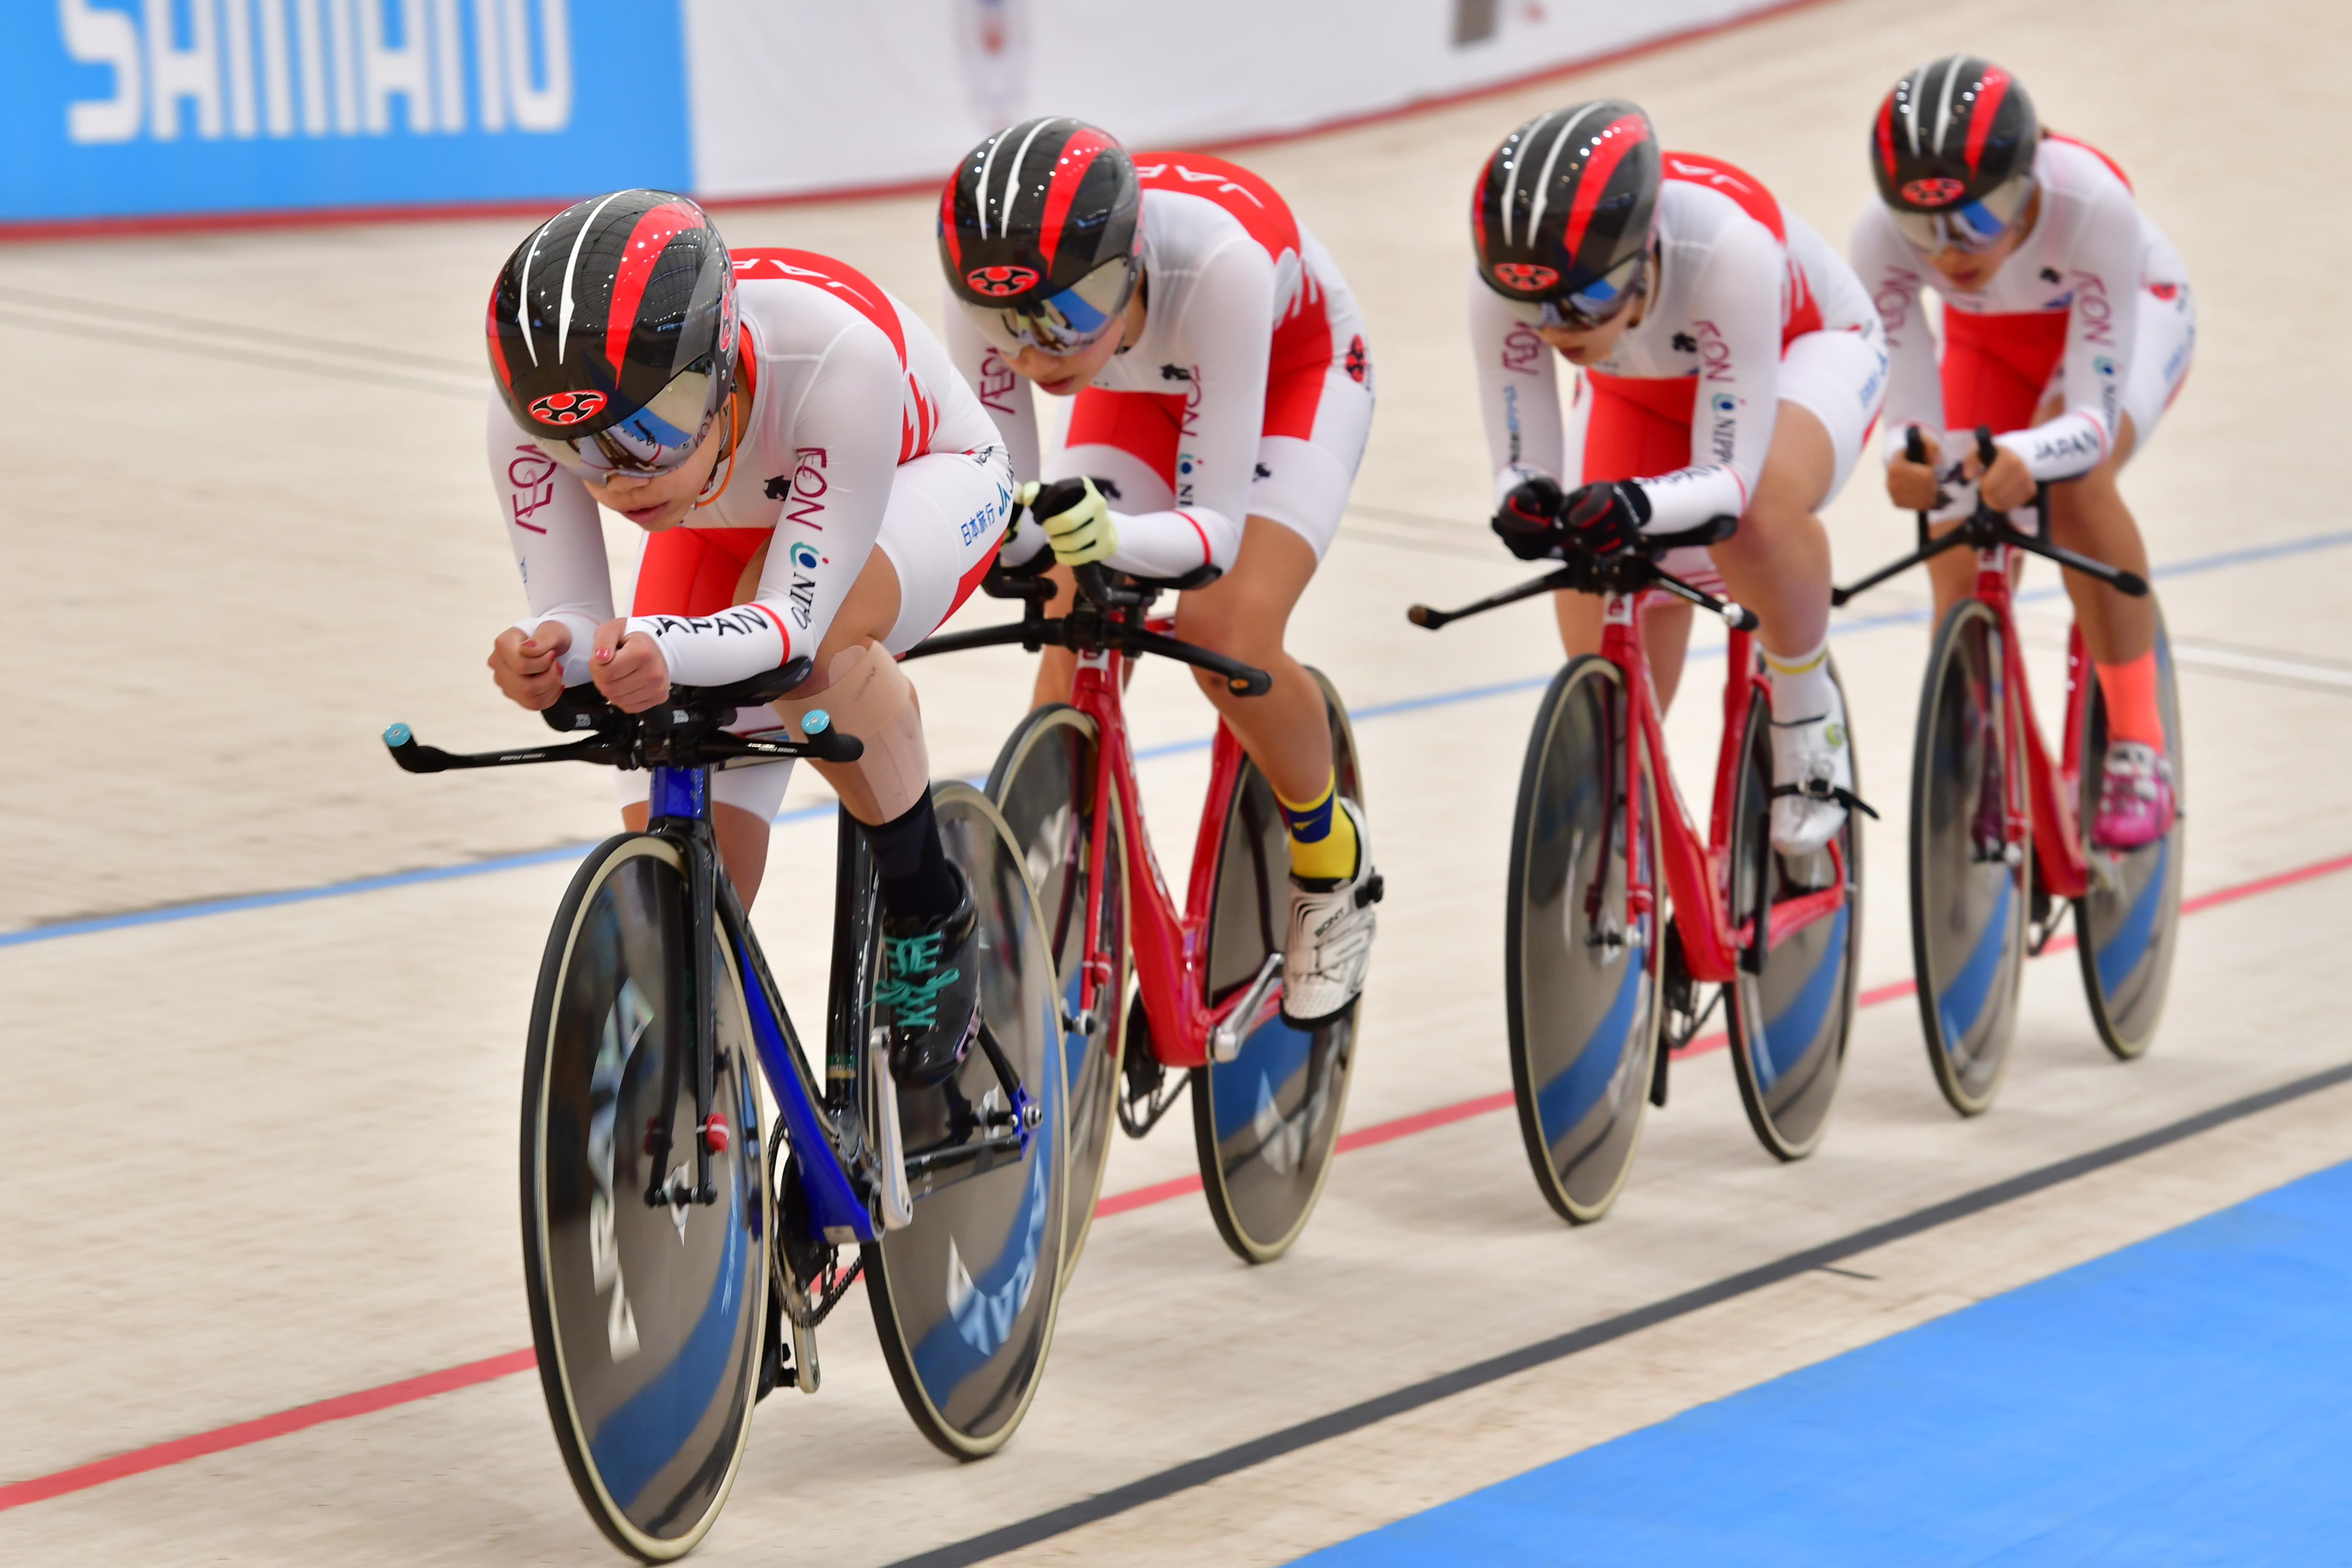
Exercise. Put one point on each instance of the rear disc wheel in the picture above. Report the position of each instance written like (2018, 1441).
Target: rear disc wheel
(1265, 1123)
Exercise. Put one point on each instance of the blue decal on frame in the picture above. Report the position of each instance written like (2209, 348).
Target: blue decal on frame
(129, 108)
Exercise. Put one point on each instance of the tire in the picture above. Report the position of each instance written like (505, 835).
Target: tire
(1043, 783)
(1263, 1124)
(964, 1298)
(647, 1321)
(1970, 898)
(2127, 926)
(1791, 1003)
(1582, 973)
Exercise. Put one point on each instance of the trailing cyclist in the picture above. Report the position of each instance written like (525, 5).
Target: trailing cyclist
(1732, 365)
(2068, 329)
(812, 479)
(1222, 395)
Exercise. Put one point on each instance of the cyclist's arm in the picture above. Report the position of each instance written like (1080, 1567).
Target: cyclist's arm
(848, 416)
(2103, 274)
(1010, 401)
(1736, 297)
(1227, 329)
(559, 544)
(1890, 269)
(1519, 394)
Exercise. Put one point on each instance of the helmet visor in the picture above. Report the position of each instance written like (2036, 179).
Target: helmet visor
(1972, 227)
(1059, 324)
(1596, 303)
(654, 440)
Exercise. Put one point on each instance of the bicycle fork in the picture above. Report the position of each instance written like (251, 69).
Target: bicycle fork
(681, 812)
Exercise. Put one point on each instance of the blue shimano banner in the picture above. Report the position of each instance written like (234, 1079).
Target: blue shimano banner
(128, 108)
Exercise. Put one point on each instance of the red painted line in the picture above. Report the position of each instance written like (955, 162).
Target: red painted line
(142, 225)
(408, 1391)
(342, 1407)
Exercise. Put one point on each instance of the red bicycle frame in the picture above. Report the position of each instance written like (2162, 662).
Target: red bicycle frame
(2046, 795)
(1697, 874)
(1169, 946)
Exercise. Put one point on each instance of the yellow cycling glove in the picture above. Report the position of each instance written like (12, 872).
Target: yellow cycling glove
(1075, 517)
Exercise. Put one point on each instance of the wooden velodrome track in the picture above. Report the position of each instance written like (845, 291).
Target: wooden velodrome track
(260, 1156)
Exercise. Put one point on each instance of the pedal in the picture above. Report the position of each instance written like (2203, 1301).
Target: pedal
(896, 1201)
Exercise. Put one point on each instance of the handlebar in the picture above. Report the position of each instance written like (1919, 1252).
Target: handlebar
(1985, 529)
(686, 730)
(1589, 574)
(1108, 615)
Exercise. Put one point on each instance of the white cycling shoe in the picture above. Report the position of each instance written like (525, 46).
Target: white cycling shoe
(1329, 944)
(1813, 758)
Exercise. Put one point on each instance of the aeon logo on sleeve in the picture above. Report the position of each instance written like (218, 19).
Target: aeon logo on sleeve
(279, 69)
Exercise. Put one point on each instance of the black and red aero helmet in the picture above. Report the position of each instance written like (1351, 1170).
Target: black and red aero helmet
(1565, 208)
(611, 330)
(1040, 232)
(1951, 134)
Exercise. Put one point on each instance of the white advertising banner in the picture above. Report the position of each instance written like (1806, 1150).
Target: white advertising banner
(794, 97)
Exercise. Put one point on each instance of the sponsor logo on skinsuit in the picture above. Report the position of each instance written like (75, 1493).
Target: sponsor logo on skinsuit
(998, 282)
(1522, 349)
(1359, 362)
(567, 407)
(1525, 275)
(533, 474)
(1725, 409)
(808, 487)
(804, 560)
(1714, 353)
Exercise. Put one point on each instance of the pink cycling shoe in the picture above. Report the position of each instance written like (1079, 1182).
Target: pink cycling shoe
(2136, 805)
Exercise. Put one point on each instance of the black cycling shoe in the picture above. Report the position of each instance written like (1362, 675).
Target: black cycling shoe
(930, 995)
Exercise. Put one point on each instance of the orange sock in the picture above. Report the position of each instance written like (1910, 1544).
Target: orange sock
(2130, 692)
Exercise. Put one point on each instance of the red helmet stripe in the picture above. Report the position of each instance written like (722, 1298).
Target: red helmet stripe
(1070, 167)
(1595, 181)
(1886, 135)
(1478, 208)
(1989, 92)
(498, 349)
(653, 231)
(954, 241)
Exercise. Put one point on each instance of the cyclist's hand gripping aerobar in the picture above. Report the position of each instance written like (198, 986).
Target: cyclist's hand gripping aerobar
(1911, 478)
(529, 666)
(1075, 517)
(1537, 522)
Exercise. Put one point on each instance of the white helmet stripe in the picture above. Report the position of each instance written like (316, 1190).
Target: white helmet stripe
(1519, 162)
(988, 161)
(563, 319)
(1944, 110)
(1013, 175)
(1543, 181)
(1917, 84)
(522, 302)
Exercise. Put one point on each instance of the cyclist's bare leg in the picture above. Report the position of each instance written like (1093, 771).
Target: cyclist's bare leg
(1666, 636)
(2088, 516)
(1777, 563)
(1242, 615)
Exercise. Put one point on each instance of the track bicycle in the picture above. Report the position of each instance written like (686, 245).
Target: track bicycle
(678, 1260)
(1998, 848)
(1267, 1095)
(1619, 912)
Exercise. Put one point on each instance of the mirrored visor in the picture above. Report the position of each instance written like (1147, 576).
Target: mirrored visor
(654, 440)
(1059, 324)
(1971, 226)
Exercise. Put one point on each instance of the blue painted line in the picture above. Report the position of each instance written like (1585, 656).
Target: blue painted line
(2179, 1403)
(1174, 748)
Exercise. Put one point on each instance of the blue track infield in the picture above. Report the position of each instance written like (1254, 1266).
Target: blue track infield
(2185, 1401)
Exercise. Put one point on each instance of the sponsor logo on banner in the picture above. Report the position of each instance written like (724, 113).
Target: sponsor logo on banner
(996, 55)
(117, 108)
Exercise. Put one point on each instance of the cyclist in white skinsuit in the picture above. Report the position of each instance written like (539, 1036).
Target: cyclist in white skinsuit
(814, 480)
(2068, 329)
(1706, 316)
(1223, 397)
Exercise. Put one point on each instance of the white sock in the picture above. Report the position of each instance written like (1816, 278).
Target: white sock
(1802, 687)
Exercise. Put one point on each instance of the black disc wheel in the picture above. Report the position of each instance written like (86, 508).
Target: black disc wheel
(964, 1297)
(1582, 962)
(646, 1317)
(1263, 1124)
(2127, 925)
(1791, 1005)
(1043, 783)
(1972, 859)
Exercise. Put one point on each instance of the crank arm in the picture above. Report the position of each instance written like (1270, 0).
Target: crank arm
(1226, 1038)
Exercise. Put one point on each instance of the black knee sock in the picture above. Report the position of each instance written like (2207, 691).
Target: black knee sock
(913, 864)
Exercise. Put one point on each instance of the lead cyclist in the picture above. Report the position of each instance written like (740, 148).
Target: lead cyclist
(2068, 329)
(1223, 397)
(812, 479)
